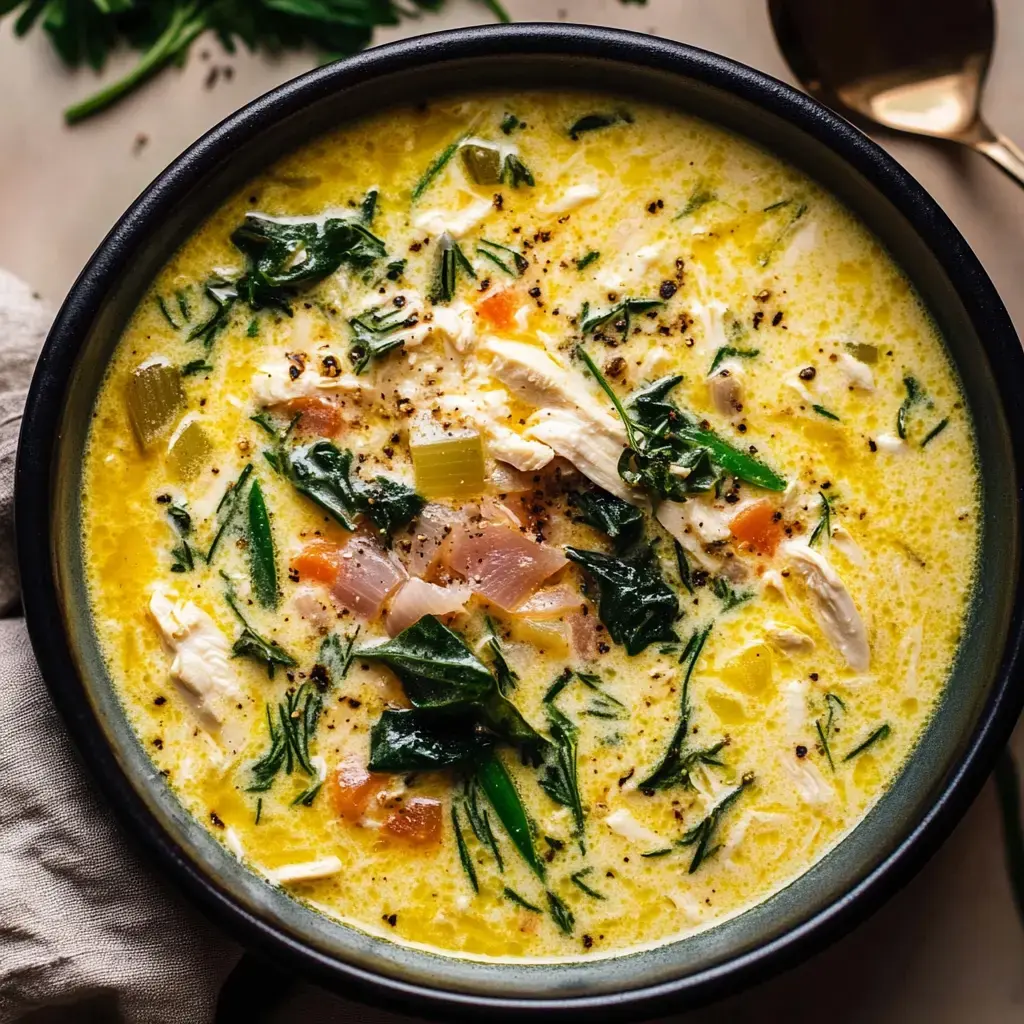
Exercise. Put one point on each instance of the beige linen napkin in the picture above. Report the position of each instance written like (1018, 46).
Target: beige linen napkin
(84, 925)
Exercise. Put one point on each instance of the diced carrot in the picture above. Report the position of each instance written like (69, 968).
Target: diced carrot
(757, 526)
(319, 415)
(500, 308)
(417, 821)
(351, 788)
(319, 560)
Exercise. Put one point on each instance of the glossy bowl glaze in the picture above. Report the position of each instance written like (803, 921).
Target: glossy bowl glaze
(959, 746)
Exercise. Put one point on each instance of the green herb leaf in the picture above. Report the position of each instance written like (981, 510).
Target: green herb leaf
(596, 121)
(881, 733)
(577, 880)
(251, 645)
(700, 196)
(561, 779)
(286, 256)
(196, 366)
(440, 162)
(228, 508)
(262, 558)
(222, 295)
(450, 260)
(935, 431)
(514, 263)
(515, 173)
(678, 762)
(333, 660)
(560, 913)
(703, 833)
(620, 315)
(378, 331)
(464, 858)
(292, 726)
(823, 528)
(729, 352)
(507, 679)
(510, 123)
(620, 520)
(584, 261)
(822, 411)
(514, 897)
(501, 791)
(824, 730)
(636, 605)
(915, 394)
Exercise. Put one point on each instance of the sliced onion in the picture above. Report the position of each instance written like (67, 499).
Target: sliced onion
(416, 598)
(552, 603)
(426, 535)
(501, 564)
(366, 575)
(583, 633)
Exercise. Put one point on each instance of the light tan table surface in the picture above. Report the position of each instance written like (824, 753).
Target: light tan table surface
(950, 946)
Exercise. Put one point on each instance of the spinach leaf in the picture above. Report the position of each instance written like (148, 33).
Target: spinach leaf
(425, 739)
(636, 604)
(593, 122)
(438, 670)
(321, 472)
(435, 665)
(262, 558)
(611, 515)
(286, 256)
(389, 504)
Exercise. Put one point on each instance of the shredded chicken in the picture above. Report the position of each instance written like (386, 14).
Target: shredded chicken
(572, 198)
(787, 639)
(201, 654)
(306, 871)
(807, 780)
(622, 823)
(857, 373)
(832, 604)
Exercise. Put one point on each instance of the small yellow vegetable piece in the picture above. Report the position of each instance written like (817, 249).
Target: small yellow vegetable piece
(155, 397)
(189, 452)
(729, 711)
(452, 467)
(865, 353)
(750, 671)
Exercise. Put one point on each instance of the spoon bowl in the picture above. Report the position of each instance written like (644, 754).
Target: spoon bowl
(909, 65)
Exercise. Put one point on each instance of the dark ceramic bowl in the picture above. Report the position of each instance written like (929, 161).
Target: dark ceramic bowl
(960, 744)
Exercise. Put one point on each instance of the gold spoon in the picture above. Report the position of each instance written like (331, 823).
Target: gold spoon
(911, 65)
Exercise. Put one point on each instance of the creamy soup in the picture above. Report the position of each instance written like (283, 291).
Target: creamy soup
(530, 526)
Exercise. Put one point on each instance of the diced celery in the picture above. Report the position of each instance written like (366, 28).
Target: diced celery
(189, 452)
(482, 163)
(155, 397)
(450, 467)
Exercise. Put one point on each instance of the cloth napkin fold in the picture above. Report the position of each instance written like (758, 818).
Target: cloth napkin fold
(83, 922)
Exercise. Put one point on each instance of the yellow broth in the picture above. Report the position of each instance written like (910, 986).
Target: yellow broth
(744, 253)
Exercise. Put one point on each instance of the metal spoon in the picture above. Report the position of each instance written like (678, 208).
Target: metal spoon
(911, 65)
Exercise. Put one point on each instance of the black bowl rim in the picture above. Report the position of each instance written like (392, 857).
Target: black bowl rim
(40, 435)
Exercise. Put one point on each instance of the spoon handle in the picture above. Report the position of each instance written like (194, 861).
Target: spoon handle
(1003, 152)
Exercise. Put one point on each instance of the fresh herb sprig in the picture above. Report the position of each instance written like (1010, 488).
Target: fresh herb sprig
(163, 31)
(292, 726)
(703, 834)
(251, 644)
(825, 729)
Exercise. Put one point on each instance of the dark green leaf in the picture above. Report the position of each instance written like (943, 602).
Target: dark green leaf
(561, 914)
(196, 366)
(508, 806)
(577, 880)
(510, 123)
(262, 557)
(333, 660)
(514, 897)
(389, 504)
(561, 778)
(511, 261)
(450, 260)
(620, 315)
(321, 472)
(515, 173)
(286, 256)
(251, 645)
(593, 122)
(935, 431)
(376, 332)
(584, 261)
(702, 834)
(636, 604)
(434, 664)
(425, 739)
(464, 858)
(822, 411)
(506, 678)
(611, 515)
(914, 395)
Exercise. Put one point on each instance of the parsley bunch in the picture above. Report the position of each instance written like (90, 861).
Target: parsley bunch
(88, 31)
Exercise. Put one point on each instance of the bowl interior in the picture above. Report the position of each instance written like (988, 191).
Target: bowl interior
(709, 88)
